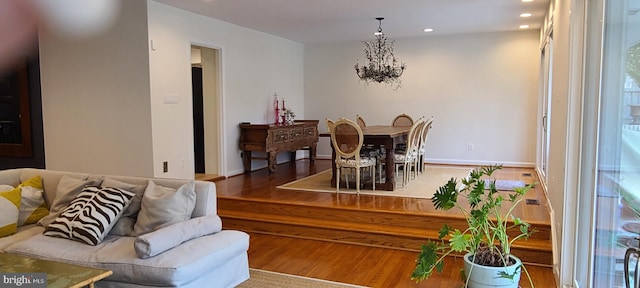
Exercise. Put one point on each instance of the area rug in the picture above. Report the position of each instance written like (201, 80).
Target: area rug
(424, 186)
(268, 279)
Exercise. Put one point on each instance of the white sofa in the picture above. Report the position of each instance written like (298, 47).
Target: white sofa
(212, 257)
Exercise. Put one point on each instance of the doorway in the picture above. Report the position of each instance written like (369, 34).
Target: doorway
(205, 76)
(546, 77)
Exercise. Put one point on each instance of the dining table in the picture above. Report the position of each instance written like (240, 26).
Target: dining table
(386, 136)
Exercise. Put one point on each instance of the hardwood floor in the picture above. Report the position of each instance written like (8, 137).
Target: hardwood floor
(208, 177)
(291, 232)
(360, 265)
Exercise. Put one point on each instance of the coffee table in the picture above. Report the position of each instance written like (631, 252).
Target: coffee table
(58, 274)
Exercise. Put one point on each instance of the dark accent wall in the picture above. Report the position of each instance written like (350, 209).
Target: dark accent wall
(37, 134)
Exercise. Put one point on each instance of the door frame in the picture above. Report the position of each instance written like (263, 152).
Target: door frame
(221, 166)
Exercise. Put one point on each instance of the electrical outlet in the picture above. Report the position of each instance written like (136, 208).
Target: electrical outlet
(470, 147)
(165, 166)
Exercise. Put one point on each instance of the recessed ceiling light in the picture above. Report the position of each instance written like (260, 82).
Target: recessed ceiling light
(524, 26)
(428, 30)
(525, 15)
(527, 0)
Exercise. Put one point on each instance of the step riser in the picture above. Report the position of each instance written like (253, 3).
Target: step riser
(401, 242)
(360, 216)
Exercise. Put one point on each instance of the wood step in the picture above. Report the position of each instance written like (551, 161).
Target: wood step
(389, 233)
(387, 218)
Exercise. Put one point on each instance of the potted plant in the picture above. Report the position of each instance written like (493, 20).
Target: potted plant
(485, 242)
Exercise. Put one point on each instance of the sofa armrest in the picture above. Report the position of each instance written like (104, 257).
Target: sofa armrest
(206, 199)
(10, 177)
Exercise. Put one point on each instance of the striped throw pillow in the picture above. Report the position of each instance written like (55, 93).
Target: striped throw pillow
(91, 215)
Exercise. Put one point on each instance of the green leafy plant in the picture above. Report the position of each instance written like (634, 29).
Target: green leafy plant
(633, 63)
(488, 224)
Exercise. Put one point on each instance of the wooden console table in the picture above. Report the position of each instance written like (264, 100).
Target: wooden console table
(271, 138)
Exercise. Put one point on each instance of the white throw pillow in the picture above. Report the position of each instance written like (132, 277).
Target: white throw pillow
(162, 206)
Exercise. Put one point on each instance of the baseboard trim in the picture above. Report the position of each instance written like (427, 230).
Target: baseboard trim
(324, 157)
(480, 162)
(464, 162)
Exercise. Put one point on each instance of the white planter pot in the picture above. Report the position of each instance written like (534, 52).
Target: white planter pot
(486, 277)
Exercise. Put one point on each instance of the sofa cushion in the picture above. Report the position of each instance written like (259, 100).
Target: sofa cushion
(9, 211)
(24, 232)
(91, 215)
(173, 268)
(163, 206)
(163, 239)
(68, 188)
(32, 206)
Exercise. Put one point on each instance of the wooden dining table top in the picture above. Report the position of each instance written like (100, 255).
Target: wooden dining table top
(379, 130)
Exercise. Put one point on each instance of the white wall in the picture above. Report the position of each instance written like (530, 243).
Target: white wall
(103, 97)
(95, 98)
(481, 88)
(254, 66)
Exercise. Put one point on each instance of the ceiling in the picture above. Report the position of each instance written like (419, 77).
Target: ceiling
(312, 21)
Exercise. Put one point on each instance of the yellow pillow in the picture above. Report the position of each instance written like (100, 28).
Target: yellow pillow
(33, 206)
(9, 210)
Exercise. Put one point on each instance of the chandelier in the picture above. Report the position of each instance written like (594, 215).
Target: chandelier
(382, 65)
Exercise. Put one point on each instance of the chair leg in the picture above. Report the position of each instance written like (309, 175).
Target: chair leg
(358, 180)
(404, 173)
(346, 179)
(373, 177)
(407, 173)
(397, 171)
(338, 180)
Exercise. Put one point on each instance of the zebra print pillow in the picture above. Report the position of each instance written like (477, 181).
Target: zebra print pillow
(91, 215)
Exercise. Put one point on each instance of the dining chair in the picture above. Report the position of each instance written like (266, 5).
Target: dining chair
(403, 120)
(347, 139)
(632, 252)
(330, 124)
(407, 158)
(360, 121)
(423, 143)
(371, 150)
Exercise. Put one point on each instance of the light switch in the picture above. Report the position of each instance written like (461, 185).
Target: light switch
(170, 100)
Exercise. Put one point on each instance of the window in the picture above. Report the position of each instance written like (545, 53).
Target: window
(15, 120)
(617, 175)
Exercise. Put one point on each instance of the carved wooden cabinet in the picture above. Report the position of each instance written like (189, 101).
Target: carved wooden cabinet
(272, 139)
